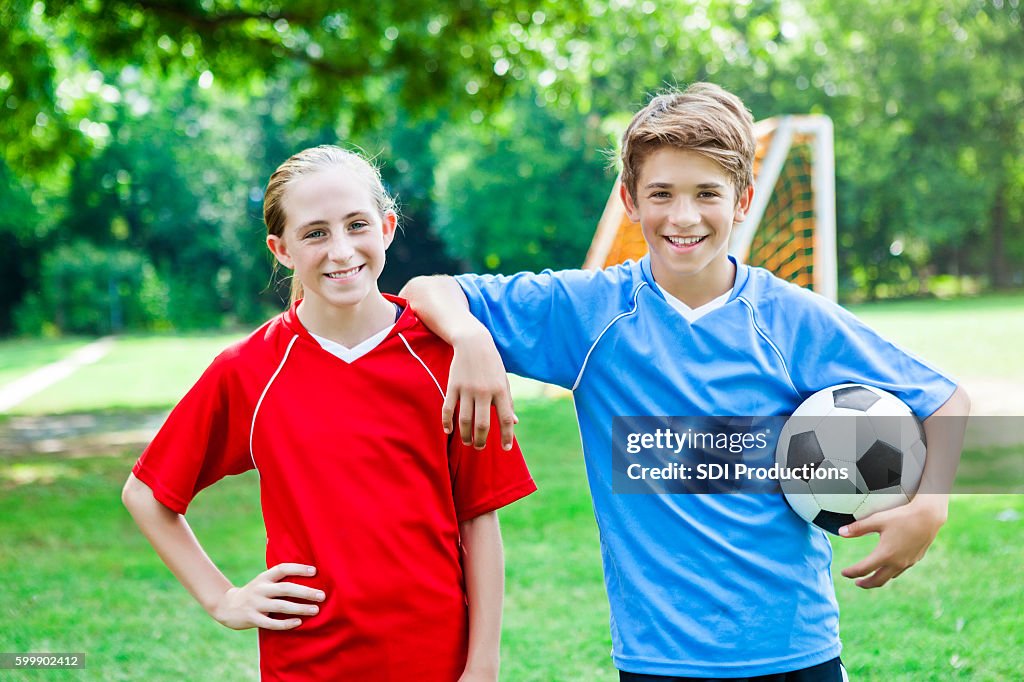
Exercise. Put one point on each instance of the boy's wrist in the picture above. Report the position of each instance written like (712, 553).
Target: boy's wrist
(936, 505)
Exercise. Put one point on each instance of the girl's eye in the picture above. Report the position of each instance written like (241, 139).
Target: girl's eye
(315, 234)
(359, 225)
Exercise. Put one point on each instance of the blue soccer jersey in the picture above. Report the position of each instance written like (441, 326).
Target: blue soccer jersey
(725, 585)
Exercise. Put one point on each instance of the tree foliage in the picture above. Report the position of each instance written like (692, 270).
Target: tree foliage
(151, 126)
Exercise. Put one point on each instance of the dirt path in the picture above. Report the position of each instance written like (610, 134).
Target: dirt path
(83, 435)
(22, 389)
(78, 435)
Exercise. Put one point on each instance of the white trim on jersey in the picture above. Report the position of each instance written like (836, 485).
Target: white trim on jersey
(636, 295)
(252, 427)
(436, 383)
(763, 335)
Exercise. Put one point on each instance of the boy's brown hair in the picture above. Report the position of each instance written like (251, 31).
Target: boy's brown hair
(705, 119)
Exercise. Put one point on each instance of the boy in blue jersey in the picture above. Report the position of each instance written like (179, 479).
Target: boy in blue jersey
(716, 586)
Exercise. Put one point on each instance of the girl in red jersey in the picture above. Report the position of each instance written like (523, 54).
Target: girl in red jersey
(383, 550)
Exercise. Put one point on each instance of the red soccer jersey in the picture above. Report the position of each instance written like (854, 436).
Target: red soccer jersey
(356, 478)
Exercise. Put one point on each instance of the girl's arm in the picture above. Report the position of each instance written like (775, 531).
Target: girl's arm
(235, 607)
(485, 587)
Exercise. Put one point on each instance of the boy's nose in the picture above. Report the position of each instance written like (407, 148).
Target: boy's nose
(684, 213)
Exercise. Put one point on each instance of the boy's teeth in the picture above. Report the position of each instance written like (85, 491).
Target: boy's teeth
(685, 241)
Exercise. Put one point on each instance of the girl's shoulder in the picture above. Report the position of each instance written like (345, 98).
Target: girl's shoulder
(266, 346)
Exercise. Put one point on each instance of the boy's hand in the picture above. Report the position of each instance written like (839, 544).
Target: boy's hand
(905, 533)
(247, 607)
(476, 381)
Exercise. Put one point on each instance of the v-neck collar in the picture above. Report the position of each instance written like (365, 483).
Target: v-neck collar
(406, 320)
(691, 315)
(742, 275)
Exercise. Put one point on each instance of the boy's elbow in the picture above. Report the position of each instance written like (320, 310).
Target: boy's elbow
(423, 286)
(414, 287)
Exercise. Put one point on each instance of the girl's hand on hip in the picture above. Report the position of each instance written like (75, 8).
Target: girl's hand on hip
(249, 606)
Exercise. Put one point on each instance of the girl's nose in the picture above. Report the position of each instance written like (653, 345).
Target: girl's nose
(340, 249)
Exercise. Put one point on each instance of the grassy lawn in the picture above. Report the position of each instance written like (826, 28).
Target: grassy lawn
(18, 357)
(970, 337)
(78, 577)
(967, 337)
(140, 372)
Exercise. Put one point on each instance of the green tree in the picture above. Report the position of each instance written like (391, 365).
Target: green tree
(526, 191)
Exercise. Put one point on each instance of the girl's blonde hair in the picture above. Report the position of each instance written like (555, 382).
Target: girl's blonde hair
(310, 161)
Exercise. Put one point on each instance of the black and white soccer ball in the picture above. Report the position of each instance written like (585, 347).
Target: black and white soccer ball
(867, 434)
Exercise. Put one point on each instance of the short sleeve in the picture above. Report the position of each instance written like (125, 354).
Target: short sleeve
(204, 439)
(543, 324)
(488, 479)
(832, 346)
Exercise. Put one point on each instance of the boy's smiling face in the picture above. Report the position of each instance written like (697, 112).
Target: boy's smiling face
(686, 206)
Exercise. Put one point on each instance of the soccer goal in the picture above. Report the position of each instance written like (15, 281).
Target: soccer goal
(791, 226)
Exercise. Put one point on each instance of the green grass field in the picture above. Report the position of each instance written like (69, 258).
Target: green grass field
(78, 577)
(972, 337)
(140, 372)
(19, 357)
(969, 337)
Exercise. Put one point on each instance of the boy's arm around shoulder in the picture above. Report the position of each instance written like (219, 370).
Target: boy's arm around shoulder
(237, 608)
(477, 378)
(543, 326)
(906, 532)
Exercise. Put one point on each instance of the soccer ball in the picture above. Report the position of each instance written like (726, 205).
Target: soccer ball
(850, 451)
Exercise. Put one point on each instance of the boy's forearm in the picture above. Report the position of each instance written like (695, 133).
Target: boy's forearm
(485, 588)
(477, 378)
(441, 304)
(944, 431)
(173, 540)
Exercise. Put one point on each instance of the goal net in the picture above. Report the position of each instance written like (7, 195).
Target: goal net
(790, 228)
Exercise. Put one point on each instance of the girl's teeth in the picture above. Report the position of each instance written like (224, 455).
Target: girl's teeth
(339, 275)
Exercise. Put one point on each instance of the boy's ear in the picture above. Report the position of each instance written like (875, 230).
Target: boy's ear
(280, 250)
(743, 204)
(627, 201)
(389, 224)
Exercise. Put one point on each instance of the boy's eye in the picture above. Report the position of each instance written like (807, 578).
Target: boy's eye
(708, 195)
(659, 195)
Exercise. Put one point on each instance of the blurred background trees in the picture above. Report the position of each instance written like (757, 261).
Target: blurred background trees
(137, 136)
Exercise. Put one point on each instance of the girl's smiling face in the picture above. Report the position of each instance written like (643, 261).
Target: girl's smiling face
(334, 238)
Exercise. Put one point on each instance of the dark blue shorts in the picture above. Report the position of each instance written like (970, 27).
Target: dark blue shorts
(829, 671)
